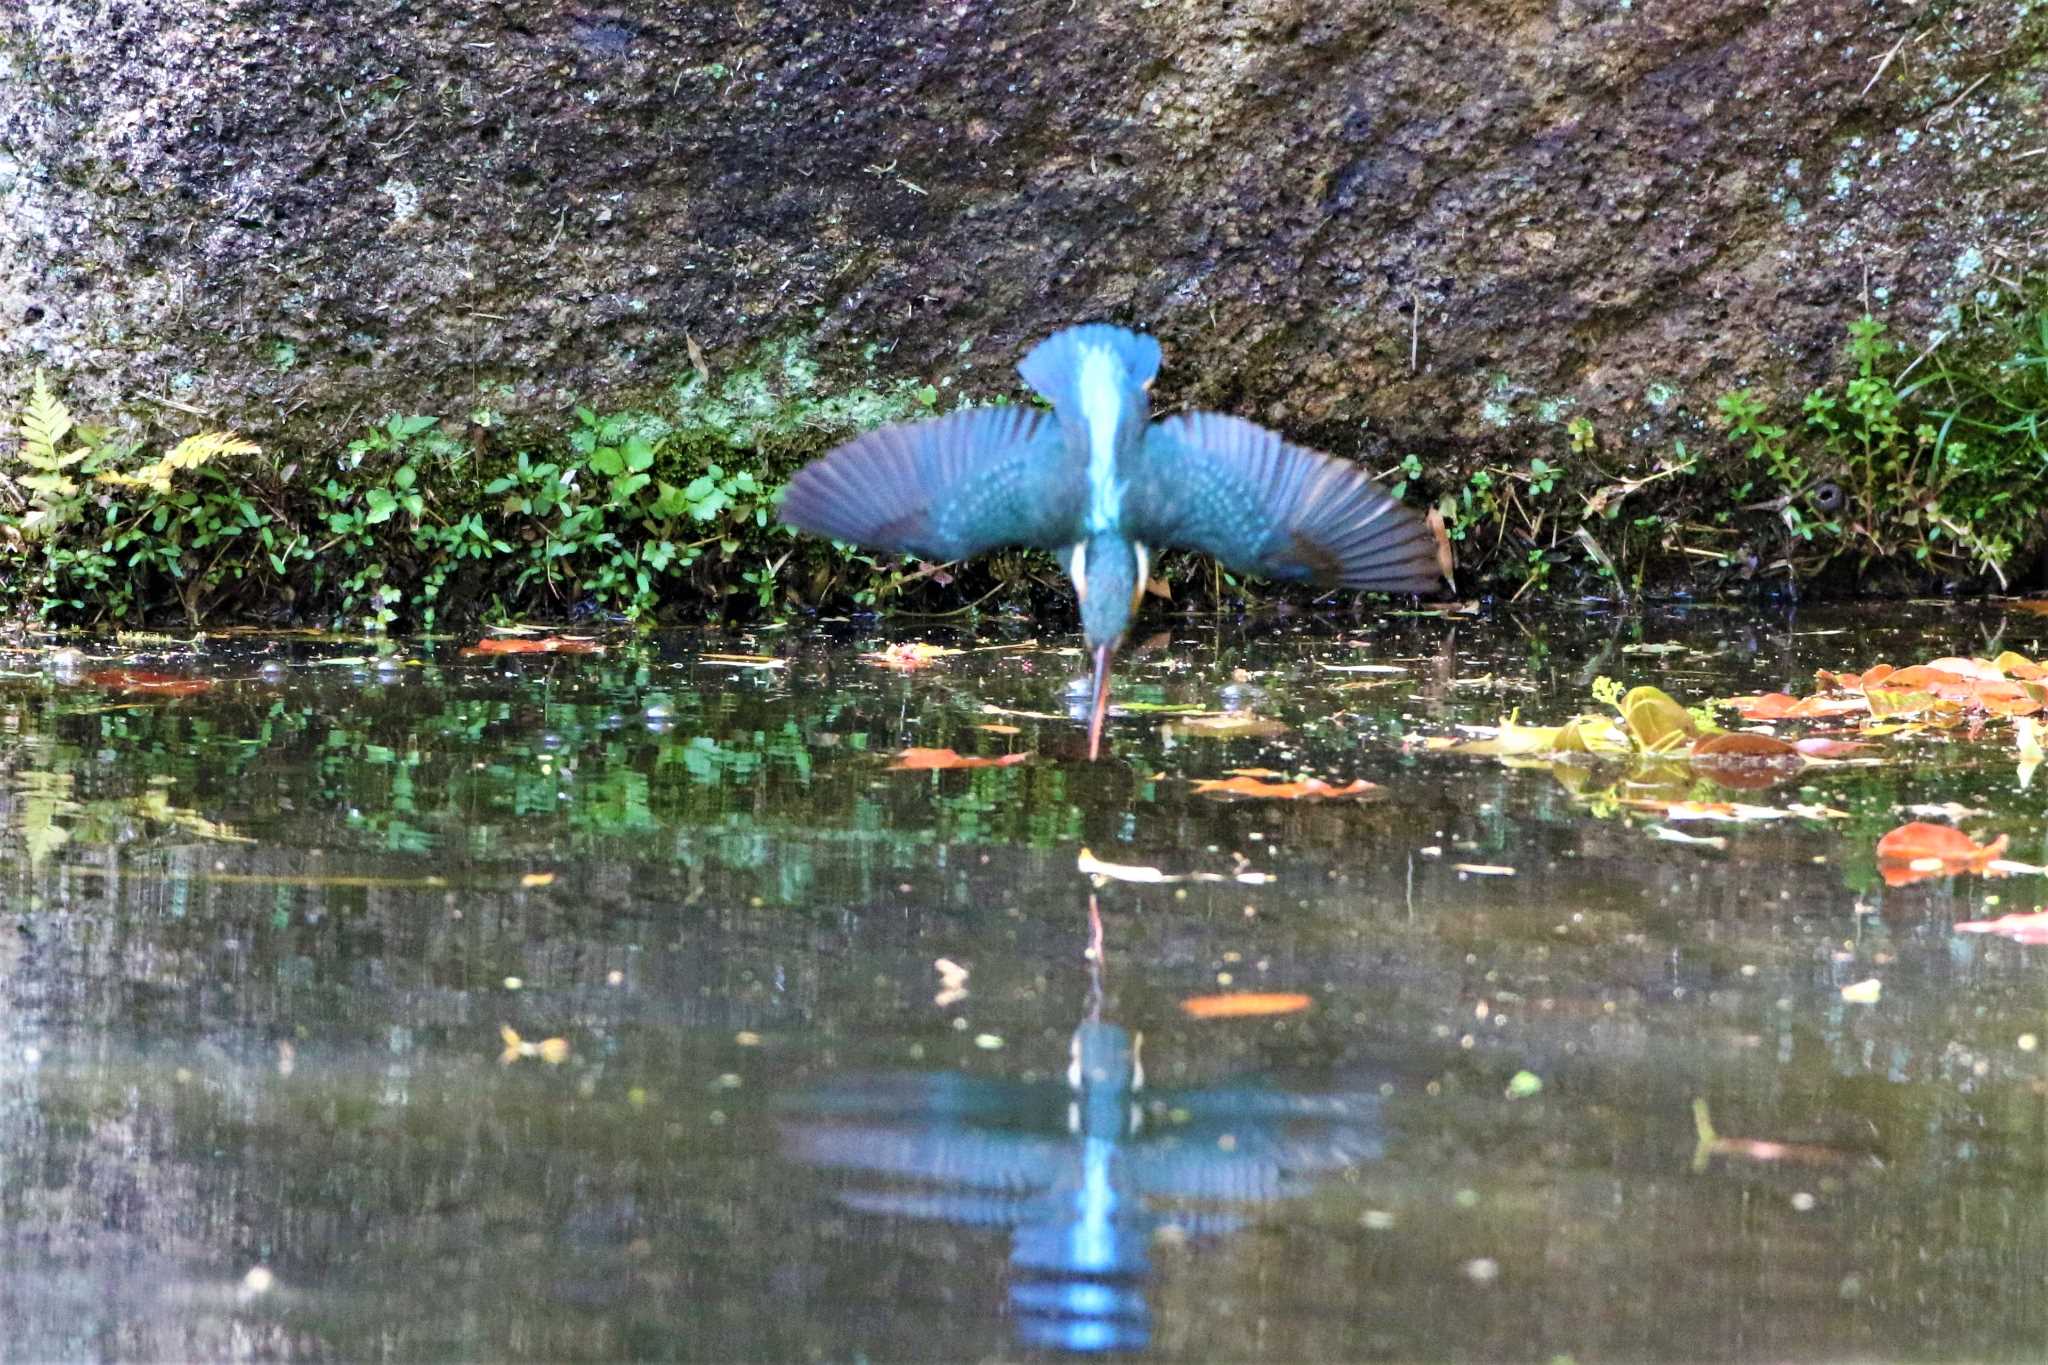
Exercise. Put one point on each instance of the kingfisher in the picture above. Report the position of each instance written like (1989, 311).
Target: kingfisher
(1104, 487)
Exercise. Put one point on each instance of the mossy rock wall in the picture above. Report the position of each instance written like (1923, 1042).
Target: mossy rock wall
(1445, 226)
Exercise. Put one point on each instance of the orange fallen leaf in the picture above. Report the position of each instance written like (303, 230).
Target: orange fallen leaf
(553, 1051)
(1244, 1004)
(1310, 787)
(2030, 928)
(1782, 706)
(2020, 666)
(534, 644)
(1983, 670)
(1854, 682)
(156, 684)
(937, 760)
(1918, 850)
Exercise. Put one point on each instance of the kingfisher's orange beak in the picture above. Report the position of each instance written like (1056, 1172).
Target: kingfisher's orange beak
(1101, 703)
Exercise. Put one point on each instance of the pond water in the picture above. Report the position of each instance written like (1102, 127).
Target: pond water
(385, 1000)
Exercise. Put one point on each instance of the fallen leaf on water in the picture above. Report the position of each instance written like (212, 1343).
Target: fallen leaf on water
(1679, 836)
(1818, 746)
(1229, 725)
(1885, 702)
(1001, 729)
(2027, 739)
(545, 644)
(1247, 784)
(938, 760)
(1782, 706)
(952, 983)
(990, 709)
(1919, 850)
(553, 1051)
(1743, 746)
(154, 684)
(1244, 1005)
(1712, 1144)
(2020, 666)
(1864, 992)
(1090, 865)
(1731, 812)
(1361, 668)
(1854, 682)
(907, 657)
(533, 879)
(1658, 723)
(2030, 928)
(743, 660)
(1484, 869)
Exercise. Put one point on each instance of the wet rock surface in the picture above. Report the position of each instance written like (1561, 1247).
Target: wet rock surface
(1383, 225)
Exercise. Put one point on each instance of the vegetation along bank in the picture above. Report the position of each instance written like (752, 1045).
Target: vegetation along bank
(1912, 469)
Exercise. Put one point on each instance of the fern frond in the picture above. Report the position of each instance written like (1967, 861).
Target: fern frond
(189, 453)
(43, 422)
(194, 451)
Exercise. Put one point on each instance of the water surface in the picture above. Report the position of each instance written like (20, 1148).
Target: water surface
(265, 937)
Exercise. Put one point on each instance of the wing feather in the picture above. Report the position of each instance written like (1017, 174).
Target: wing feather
(1235, 490)
(949, 488)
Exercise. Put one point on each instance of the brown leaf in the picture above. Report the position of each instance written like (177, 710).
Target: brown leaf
(1740, 746)
(939, 760)
(154, 684)
(1819, 746)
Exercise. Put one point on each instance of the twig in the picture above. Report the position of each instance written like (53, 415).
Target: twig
(1884, 63)
(1414, 328)
(1936, 115)
(174, 403)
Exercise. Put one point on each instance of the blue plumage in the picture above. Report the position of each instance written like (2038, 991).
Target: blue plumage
(1103, 486)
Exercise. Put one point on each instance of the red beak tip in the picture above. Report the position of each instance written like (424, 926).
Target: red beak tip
(1100, 709)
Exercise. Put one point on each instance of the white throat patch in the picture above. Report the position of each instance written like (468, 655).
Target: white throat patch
(1099, 389)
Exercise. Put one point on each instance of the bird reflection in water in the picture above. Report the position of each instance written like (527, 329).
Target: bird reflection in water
(1086, 1173)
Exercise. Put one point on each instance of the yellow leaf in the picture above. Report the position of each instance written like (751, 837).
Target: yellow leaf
(1658, 723)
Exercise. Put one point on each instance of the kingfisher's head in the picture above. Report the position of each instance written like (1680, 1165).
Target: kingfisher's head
(1109, 573)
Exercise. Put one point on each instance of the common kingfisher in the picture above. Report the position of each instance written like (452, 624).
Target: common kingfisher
(1103, 486)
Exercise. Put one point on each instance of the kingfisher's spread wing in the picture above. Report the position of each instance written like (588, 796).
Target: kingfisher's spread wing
(1232, 489)
(949, 488)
